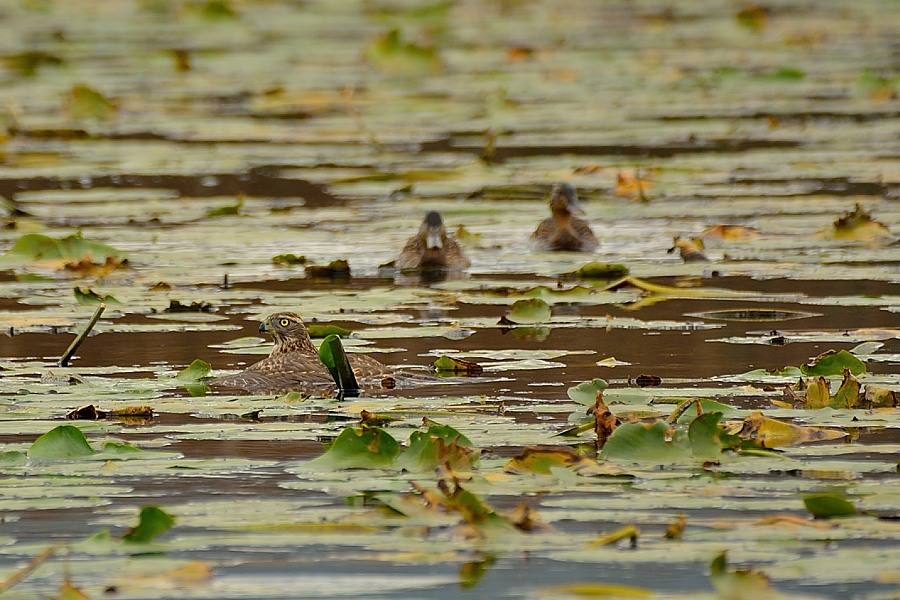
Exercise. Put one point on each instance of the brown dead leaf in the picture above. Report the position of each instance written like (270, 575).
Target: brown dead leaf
(793, 521)
(858, 225)
(730, 232)
(691, 249)
(519, 53)
(604, 421)
(87, 267)
(675, 529)
(524, 518)
(772, 433)
(632, 185)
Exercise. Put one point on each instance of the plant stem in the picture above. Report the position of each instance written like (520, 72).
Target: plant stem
(76, 343)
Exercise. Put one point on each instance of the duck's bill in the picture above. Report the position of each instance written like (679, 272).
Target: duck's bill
(433, 239)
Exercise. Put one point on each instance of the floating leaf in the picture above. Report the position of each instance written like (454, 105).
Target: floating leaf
(531, 310)
(586, 391)
(455, 366)
(653, 442)
(730, 232)
(360, 447)
(546, 459)
(391, 54)
(317, 330)
(629, 532)
(881, 397)
(71, 248)
(227, 210)
(847, 395)
(28, 63)
(84, 102)
(196, 371)
(772, 433)
(737, 584)
(828, 505)
(13, 458)
(600, 270)
(833, 363)
(858, 225)
(818, 394)
(439, 445)
(336, 269)
(690, 249)
(332, 355)
(288, 259)
(64, 441)
(153, 522)
(201, 306)
(87, 296)
(708, 438)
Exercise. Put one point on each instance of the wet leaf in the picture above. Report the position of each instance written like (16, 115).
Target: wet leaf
(531, 310)
(600, 270)
(71, 248)
(390, 53)
(447, 365)
(28, 62)
(629, 532)
(439, 445)
(196, 371)
(332, 355)
(737, 584)
(152, 522)
(675, 529)
(690, 249)
(64, 441)
(228, 210)
(828, 505)
(87, 296)
(317, 330)
(632, 184)
(543, 459)
(359, 448)
(84, 102)
(586, 391)
(653, 442)
(858, 225)
(176, 306)
(594, 590)
(730, 232)
(833, 363)
(289, 259)
(772, 433)
(847, 395)
(336, 269)
(708, 438)
(881, 397)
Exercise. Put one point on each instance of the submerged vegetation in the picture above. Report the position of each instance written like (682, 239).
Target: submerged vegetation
(625, 421)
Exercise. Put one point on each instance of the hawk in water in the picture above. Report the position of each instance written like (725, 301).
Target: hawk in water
(432, 248)
(563, 230)
(293, 364)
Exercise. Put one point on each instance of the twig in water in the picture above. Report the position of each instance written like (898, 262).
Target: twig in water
(76, 343)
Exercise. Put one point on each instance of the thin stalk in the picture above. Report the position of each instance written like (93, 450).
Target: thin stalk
(76, 343)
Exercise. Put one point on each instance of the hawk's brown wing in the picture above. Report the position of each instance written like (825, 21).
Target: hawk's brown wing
(284, 372)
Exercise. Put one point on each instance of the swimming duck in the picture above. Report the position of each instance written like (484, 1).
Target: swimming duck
(432, 248)
(563, 230)
(293, 363)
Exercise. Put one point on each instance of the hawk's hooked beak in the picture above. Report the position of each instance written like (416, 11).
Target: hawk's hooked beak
(433, 239)
(264, 327)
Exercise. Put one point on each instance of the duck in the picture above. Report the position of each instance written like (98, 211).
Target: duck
(563, 230)
(432, 248)
(293, 364)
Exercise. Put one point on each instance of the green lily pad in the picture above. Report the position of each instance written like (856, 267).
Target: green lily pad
(196, 371)
(640, 442)
(833, 363)
(317, 330)
(153, 522)
(530, 310)
(73, 247)
(586, 391)
(359, 447)
(828, 505)
(65, 441)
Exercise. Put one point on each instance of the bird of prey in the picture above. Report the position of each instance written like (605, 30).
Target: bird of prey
(293, 364)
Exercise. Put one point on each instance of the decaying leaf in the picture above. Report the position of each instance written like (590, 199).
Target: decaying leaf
(446, 365)
(85, 295)
(632, 185)
(730, 232)
(375, 419)
(772, 433)
(690, 249)
(91, 413)
(544, 459)
(289, 259)
(881, 397)
(858, 225)
(176, 306)
(675, 529)
(336, 269)
(390, 53)
(604, 421)
(737, 584)
(524, 517)
(84, 102)
(599, 270)
(85, 266)
(628, 532)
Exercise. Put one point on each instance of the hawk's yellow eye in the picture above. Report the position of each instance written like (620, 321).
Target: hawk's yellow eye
(284, 322)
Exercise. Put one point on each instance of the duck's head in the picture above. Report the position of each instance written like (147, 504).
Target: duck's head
(289, 332)
(564, 200)
(433, 230)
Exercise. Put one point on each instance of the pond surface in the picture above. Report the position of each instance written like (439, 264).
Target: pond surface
(199, 140)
